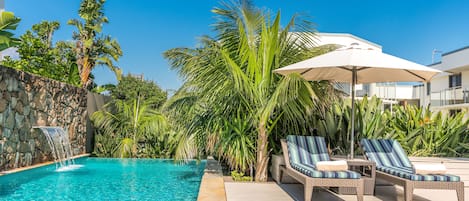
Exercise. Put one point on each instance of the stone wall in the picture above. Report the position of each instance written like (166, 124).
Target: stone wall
(28, 100)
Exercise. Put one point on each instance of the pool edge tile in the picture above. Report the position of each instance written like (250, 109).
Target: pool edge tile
(212, 188)
(36, 165)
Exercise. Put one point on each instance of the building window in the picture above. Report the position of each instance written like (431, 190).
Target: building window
(455, 80)
(429, 88)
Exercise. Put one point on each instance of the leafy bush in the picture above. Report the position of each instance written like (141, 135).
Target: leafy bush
(334, 123)
(420, 131)
(105, 145)
(237, 144)
(239, 176)
(39, 55)
(131, 129)
(132, 124)
(130, 87)
(424, 133)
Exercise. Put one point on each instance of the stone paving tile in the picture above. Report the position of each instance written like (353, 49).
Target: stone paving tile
(212, 188)
(255, 191)
(294, 192)
(271, 191)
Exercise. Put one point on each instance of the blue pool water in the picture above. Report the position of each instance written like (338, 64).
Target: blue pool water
(106, 179)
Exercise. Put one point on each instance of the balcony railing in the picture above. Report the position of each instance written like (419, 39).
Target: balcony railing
(450, 96)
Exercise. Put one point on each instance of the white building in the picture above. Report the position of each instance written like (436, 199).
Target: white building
(449, 91)
(390, 93)
(345, 39)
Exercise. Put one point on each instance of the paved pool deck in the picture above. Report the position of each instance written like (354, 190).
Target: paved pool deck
(271, 191)
(212, 186)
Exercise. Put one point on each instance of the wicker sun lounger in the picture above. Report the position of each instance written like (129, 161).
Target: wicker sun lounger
(393, 166)
(301, 154)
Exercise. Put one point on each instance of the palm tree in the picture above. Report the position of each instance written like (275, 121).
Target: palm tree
(129, 122)
(233, 73)
(8, 23)
(92, 48)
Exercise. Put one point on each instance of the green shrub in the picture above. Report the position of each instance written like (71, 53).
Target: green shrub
(424, 133)
(334, 123)
(239, 176)
(131, 129)
(419, 131)
(236, 144)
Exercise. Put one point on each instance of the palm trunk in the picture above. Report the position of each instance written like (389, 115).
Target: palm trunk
(262, 154)
(79, 57)
(85, 72)
(137, 110)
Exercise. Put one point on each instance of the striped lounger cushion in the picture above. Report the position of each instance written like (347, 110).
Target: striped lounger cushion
(391, 158)
(305, 151)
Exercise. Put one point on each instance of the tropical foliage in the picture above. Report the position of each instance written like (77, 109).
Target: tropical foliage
(92, 48)
(8, 23)
(237, 143)
(39, 55)
(333, 123)
(130, 129)
(424, 133)
(239, 176)
(132, 125)
(130, 87)
(233, 74)
(420, 132)
(232, 104)
(70, 62)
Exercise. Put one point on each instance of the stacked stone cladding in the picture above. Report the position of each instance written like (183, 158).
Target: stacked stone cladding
(28, 100)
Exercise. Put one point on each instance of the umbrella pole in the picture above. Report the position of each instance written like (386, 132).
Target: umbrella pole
(352, 132)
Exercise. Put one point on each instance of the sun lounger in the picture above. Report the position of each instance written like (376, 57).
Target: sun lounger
(302, 153)
(393, 166)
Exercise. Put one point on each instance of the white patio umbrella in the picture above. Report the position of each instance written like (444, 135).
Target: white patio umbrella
(355, 65)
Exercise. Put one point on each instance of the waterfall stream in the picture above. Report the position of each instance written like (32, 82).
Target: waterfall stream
(59, 143)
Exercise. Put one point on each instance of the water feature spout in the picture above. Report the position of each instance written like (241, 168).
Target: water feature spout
(58, 141)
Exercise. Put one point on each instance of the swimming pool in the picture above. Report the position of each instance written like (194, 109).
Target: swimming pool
(106, 179)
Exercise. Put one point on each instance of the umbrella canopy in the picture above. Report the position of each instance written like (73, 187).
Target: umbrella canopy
(372, 66)
(355, 65)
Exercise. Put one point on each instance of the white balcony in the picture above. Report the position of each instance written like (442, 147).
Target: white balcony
(450, 96)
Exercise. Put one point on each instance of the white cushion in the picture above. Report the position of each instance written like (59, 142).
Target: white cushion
(339, 165)
(429, 169)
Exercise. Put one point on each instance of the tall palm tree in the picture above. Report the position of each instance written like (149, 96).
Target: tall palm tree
(92, 48)
(8, 23)
(233, 73)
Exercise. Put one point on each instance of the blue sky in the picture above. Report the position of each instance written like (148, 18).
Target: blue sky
(146, 28)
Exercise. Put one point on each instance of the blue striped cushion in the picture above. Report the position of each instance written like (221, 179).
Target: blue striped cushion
(396, 171)
(385, 153)
(407, 173)
(434, 177)
(312, 172)
(306, 151)
(391, 158)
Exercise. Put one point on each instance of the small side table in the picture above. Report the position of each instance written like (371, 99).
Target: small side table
(367, 169)
(277, 162)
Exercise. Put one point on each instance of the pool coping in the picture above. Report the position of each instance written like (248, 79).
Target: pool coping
(212, 186)
(36, 165)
